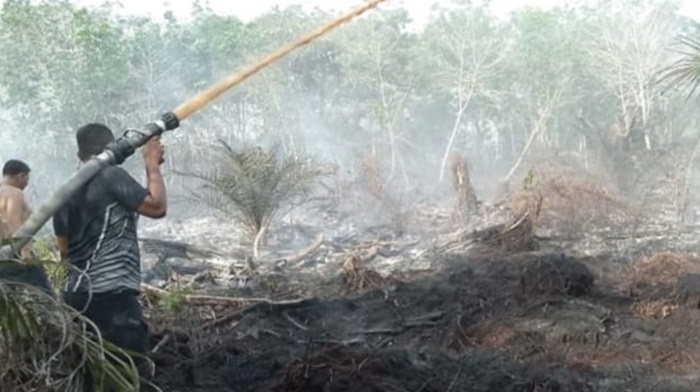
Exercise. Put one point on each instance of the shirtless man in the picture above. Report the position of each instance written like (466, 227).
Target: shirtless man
(14, 210)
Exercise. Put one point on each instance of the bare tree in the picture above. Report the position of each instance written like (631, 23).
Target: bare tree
(377, 49)
(540, 115)
(628, 47)
(470, 52)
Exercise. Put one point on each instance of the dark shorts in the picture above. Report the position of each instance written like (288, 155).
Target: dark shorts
(120, 320)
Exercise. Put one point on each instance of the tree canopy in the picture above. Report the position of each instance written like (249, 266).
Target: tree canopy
(495, 89)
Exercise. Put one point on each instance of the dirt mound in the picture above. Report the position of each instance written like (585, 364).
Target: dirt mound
(556, 275)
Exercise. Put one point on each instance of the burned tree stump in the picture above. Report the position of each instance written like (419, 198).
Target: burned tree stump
(467, 203)
(357, 276)
(517, 236)
(556, 275)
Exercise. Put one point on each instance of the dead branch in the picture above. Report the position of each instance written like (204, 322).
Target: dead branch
(162, 343)
(358, 277)
(428, 320)
(294, 322)
(223, 319)
(212, 300)
(301, 255)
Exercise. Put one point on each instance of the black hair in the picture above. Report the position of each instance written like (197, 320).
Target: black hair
(14, 167)
(92, 139)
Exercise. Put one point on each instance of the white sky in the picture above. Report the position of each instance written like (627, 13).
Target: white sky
(246, 10)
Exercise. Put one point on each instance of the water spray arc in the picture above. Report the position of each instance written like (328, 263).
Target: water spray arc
(122, 148)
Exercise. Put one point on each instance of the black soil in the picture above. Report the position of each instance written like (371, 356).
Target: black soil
(534, 322)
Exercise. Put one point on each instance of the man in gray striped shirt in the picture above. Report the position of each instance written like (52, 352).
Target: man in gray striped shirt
(96, 234)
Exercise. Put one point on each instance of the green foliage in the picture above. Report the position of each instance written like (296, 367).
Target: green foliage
(375, 83)
(46, 252)
(44, 344)
(46, 45)
(255, 186)
(173, 301)
(684, 73)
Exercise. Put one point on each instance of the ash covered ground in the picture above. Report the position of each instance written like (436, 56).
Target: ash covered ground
(533, 292)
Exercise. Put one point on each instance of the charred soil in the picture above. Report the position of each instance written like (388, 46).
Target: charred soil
(534, 321)
(562, 294)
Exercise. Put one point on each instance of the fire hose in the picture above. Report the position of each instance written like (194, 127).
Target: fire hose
(123, 147)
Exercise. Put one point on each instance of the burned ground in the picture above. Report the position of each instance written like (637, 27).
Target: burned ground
(535, 321)
(529, 301)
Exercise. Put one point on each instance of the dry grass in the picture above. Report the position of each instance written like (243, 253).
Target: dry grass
(572, 201)
(489, 334)
(652, 281)
(653, 309)
(664, 267)
(371, 177)
(386, 200)
(358, 277)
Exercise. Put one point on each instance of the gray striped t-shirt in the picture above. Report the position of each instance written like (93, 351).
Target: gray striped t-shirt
(99, 223)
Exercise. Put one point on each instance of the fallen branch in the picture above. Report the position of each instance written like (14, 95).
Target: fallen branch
(222, 320)
(347, 342)
(428, 320)
(294, 322)
(301, 255)
(381, 331)
(162, 343)
(206, 299)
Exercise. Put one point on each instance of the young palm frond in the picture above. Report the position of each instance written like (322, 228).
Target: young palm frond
(684, 73)
(45, 345)
(256, 186)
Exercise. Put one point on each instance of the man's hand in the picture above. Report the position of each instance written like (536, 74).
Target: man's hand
(153, 152)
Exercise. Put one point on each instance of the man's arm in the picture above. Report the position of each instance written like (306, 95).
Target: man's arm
(155, 203)
(149, 201)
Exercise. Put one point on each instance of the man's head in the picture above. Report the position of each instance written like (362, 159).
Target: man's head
(92, 140)
(16, 173)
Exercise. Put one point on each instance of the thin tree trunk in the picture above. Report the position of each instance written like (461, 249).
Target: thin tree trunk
(450, 143)
(539, 125)
(682, 204)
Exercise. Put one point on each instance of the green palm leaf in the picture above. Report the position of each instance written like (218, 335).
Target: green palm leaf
(684, 73)
(254, 186)
(45, 344)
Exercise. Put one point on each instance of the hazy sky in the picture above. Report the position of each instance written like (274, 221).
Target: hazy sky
(249, 9)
